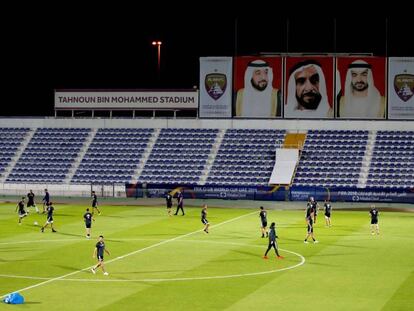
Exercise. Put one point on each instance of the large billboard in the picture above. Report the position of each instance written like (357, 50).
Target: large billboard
(258, 87)
(362, 87)
(401, 88)
(309, 87)
(121, 99)
(215, 87)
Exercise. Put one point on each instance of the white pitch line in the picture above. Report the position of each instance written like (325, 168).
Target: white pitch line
(41, 241)
(126, 255)
(197, 278)
(74, 240)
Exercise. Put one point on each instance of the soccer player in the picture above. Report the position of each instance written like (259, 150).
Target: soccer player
(88, 223)
(263, 219)
(95, 203)
(21, 211)
(314, 206)
(168, 199)
(31, 202)
(309, 221)
(311, 207)
(49, 219)
(204, 218)
(272, 242)
(99, 251)
(374, 219)
(328, 209)
(46, 200)
(180, 203)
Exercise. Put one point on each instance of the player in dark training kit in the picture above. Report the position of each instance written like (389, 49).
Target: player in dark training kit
(263, 220)
(99, 253)
(49, 219)
(95, 203)
(168, 199)
(314, 205)
(272, 242)
(87, 217)
(46, 200)
(310, 213)
(180, 203)
(309, 220)
(328, 209)
(31, 202)
(374, 220)
(204, 218)
(20, 210)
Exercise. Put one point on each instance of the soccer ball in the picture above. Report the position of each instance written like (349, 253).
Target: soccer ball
(35, 223)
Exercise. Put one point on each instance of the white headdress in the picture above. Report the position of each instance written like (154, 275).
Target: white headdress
(361, 107)
(257, 103)
(292, 110)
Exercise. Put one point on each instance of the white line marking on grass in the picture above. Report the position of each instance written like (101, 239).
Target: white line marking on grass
(74, 240)
(40, 241)
(127, 255)
(178, 279)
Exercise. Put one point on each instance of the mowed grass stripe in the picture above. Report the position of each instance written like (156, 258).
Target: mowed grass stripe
(116, 291)
(246, 231)
(352, 225)
(136, 251)
(344, 274)
(346, 271)
(48, 259)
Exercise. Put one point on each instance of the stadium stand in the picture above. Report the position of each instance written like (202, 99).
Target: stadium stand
(179, 156)
(203, 156)
(246, 157)
(49, 155)
(332, 158)
(392, 163)
(113, 155)
(11, 140)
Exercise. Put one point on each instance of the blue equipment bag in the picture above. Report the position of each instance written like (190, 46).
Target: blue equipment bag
(14, 298)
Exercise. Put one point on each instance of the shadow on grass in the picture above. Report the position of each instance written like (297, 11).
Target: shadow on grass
(68, 268)
(14, 260)
(148, 272)
(350, 246)
(70, 234)
(251, 254)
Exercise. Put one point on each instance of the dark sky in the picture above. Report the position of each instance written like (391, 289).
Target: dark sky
(98, 52)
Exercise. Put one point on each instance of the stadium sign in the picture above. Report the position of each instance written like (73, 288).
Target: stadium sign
(135, 100)
(264, 193)
(352, 194)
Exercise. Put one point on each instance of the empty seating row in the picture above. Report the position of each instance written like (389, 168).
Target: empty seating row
(43, 150)
(110, 147)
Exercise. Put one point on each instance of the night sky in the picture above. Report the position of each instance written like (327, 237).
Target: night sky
(97, 52)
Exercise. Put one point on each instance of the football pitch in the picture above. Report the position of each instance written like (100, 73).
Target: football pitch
(168, 263)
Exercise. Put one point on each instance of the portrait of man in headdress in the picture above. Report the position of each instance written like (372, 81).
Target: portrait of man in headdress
(258, 98)
(361, 98)
(307, 91)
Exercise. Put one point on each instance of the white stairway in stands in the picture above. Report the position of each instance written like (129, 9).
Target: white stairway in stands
(145, 155)
(16, 157)
(284, 168)
(80, 156)
(366, 160)
(212, 156)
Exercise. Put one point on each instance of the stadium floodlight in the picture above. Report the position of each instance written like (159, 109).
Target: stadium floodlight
(158, 44)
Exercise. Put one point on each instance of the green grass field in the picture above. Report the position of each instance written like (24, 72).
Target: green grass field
(167, 263)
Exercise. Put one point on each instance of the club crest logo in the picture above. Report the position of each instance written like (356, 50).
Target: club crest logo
(404, 86)
(215, 84)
